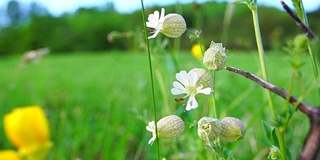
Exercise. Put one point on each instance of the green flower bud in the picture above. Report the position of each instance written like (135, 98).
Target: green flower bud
(232, 129)
(168, 127)
(173, 25)
(215, 57)
(274, 153)
(205, 78)
(300, 42)
(208, 128)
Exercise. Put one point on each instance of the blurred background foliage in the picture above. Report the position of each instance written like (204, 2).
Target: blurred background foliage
(88, 28)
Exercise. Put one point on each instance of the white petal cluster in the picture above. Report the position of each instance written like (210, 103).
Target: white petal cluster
(187, 84)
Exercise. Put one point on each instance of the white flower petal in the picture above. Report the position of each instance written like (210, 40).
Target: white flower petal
(176, 91)
(161, 18)
(150, 25)
(192, 103)
(179, 86)
(152, 139)
(182, 76)
(151, 126)
(154, 17)
(204, 91)
(154, 34)
(193, 78)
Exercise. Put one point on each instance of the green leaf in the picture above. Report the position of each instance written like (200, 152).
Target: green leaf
(289, 155)
(267, 130)
(275, 138)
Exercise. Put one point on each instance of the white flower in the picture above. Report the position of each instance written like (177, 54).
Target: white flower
(155, 21)
(187, 85)
(172, 25)
(151, 127)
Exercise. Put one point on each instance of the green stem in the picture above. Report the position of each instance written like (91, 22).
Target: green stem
(254, 11)
(302, 14)
(279, 131)
(214, 113)
(151, 76)
(314, 65)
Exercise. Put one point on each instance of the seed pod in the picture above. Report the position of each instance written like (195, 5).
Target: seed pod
(215, 57)
(208, 128)
(173, 25)
(170, 126)
(232, 129)
(205, 78)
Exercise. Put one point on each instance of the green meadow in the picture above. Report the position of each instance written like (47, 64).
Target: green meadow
(98, 104)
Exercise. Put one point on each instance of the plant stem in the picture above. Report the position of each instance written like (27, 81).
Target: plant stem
(302, 22)
(151, 76)
(280, 132)
(214, 113)
(262, 56)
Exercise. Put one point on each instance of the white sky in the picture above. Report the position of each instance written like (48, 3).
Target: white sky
(57, 7)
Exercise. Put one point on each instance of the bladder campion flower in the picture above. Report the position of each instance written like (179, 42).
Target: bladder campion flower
(232, 129)
(172, 25)
(215, 57)
(188, 85)
(27, 128)
(208, 129)
(168, 127)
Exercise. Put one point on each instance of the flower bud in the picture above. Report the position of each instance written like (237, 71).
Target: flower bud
(205, 78)
(215, 57)
(300, 42)
(274, 153)
(232, 129)
(208, 128)
(173, 25)
(168, 127)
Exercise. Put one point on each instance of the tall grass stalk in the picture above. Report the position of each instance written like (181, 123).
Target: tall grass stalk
(151, 75)
(280, 133)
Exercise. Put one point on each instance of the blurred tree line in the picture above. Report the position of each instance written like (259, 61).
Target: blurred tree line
(103, 28)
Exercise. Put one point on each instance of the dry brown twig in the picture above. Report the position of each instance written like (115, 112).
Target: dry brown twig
(311, 147)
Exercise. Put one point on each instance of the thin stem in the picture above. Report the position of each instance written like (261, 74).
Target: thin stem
(214, 112)
(254, 11)
(280, 132)
(151, 76)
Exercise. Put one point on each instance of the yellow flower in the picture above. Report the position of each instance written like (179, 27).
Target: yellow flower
(196, 51)
(27, 128)
(9, 155)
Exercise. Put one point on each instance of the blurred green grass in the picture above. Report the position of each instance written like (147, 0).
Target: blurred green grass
(99, 104)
